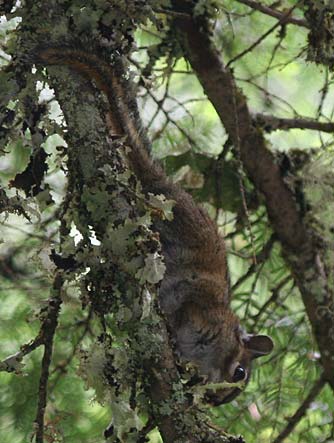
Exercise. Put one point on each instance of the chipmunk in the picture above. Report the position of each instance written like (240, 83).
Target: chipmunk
(194, 294)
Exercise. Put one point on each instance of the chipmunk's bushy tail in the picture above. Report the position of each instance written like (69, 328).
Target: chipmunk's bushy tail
(190, 224)
(123, 118)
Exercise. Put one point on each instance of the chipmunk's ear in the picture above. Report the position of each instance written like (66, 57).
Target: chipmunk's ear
(259, 345)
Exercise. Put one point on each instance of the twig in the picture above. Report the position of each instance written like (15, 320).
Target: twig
(324, 91)
(274, 13)
(61, 368)
(48, 330)
(260, 258)
(172, 121)
(260, 39)
(274, 296)
(175, 71)
(12, 363)
(268, 94)
(280, 66)
(160, 108)
(272, 123)
(301, 411)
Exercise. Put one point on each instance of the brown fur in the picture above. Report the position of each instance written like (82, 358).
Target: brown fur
(194, 294)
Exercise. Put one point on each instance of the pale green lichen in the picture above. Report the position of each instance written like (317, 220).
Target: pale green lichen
(91, 369)
(153, 270)
(106, 367)
(160, 202)
(12, 363)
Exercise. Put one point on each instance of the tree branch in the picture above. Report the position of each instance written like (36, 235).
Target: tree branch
(48, 330)
(271, 123)
(262, 37)
(275, 293)
(260, 258)
(274, 13)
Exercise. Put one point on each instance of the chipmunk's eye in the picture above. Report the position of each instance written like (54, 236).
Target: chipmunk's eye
(239, 374)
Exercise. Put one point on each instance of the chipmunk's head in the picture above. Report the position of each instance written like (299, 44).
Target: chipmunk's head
(235, 365)
(213, 340)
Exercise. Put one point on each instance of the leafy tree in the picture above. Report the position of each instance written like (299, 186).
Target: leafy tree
(236, 97)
